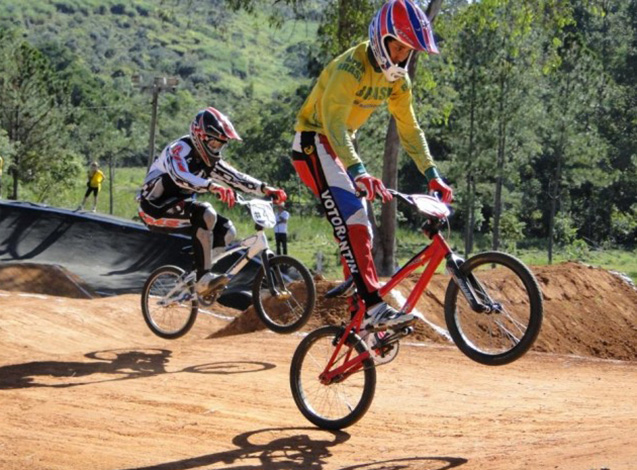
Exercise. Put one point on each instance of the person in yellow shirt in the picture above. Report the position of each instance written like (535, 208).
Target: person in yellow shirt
(348, 91)
(93, 185)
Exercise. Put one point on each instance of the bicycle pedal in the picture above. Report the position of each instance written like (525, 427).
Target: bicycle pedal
(394, 336)
(207, 300)
(393, 328)
(384, 350)
(343, 290)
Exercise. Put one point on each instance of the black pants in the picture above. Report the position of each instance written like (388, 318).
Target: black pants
(90, 190)
(281, 243)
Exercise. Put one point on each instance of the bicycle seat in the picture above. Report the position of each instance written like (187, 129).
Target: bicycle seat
(344, 289)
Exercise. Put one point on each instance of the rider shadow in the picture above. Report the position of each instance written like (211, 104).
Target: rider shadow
(294, 449)
(125, 364)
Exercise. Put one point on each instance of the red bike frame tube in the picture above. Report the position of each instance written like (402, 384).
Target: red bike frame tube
(432, 255)
(351, 365)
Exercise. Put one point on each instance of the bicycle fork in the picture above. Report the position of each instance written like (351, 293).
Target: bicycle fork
(350, 365)
(274, 278)
(471, 287)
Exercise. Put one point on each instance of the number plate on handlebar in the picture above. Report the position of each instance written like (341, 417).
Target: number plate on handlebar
(262, 213)
(430, 206)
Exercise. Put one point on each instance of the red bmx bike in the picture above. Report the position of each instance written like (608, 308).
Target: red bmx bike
(493, 311)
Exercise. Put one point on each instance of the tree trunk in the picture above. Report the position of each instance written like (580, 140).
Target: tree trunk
(17, 160)
(470, 204)
(111, 178)
(497, 203)
(385, 235)
(555, 190)
(15, 174)
(555, 195)
(384, 248)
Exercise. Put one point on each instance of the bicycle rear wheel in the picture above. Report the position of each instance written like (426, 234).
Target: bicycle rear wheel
(292, 305)
(341, 403)
(509, 330)
(169, 311)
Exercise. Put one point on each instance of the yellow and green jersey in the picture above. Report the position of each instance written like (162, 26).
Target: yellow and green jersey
(348, 91)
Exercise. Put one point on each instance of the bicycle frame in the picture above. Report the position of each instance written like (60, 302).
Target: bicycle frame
(254, 245)
(431, 256)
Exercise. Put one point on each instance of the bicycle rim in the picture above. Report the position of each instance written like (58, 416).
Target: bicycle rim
(168, 319)
(505, 334)
(337, 405)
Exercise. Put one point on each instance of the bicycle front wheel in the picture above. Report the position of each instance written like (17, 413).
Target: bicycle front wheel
(342, 402)
(169, 308)
(507, 332)
(294, 295)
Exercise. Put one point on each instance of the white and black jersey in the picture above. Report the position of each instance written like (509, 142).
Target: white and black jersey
(178, 172)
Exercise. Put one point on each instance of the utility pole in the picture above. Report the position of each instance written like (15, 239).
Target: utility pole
(158, 85)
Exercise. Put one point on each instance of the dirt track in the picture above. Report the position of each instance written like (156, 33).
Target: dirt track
(85, 385)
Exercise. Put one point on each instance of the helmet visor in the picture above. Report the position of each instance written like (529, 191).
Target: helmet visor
(215, 145)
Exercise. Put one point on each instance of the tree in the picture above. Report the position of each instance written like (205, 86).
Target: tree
(33, 101)
(469, 52)
(575, 155)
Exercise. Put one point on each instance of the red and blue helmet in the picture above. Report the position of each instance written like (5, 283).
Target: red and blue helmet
(210, 131)
(405, 22)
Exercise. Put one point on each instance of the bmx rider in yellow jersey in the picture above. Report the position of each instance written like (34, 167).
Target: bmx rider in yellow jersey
(348, 91)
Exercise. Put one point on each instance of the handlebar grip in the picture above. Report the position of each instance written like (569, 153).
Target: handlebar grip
(361, 193)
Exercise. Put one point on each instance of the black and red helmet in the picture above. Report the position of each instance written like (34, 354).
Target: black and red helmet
(210, 131)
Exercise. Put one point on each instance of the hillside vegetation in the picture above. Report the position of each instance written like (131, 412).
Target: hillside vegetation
(530, 109)
(210, 48)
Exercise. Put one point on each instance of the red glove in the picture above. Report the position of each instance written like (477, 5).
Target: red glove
(224, 194)
(446, 193)
(371, 187)
(278, 195)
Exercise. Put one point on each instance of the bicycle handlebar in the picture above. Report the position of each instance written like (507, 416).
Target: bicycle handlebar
(239, 199)
(405, 197)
